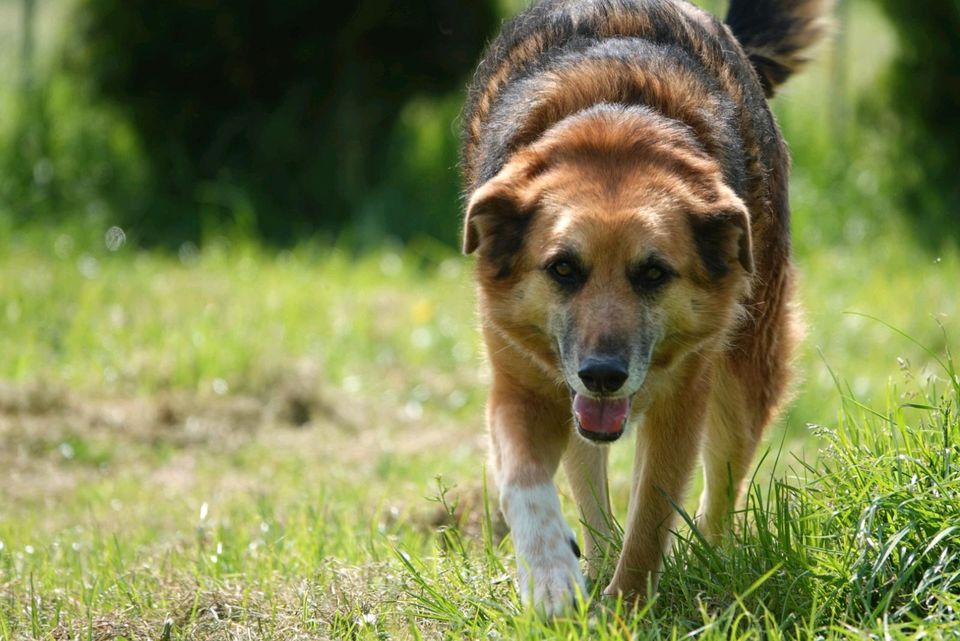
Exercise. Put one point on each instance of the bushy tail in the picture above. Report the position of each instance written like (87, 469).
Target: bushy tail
(775, 34)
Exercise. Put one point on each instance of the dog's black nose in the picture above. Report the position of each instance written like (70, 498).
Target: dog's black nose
(603, 374)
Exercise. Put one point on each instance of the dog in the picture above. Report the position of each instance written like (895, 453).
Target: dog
(626, 190)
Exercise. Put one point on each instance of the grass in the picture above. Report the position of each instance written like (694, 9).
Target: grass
(232, 442)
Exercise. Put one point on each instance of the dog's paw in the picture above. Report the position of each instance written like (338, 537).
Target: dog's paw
(635, 595)
(550, 579)
(548, 566)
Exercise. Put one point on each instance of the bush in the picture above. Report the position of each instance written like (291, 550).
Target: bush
(924, 91)
(287, 116)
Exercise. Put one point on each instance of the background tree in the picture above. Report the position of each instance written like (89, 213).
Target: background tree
(282, 114)
(924, 91)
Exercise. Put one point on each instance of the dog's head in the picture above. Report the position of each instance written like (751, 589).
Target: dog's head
(609, 250)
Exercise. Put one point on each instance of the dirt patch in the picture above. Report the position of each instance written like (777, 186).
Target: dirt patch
(52, 439)
(36, 421)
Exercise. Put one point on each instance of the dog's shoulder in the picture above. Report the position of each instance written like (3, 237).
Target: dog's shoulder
(563, 55)
(661, 35)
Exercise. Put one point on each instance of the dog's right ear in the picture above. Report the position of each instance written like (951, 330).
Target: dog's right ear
(495, 224)
(490, 208)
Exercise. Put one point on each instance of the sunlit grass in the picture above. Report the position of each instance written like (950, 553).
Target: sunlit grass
(862, 543)
(161, 480)
(235, 317)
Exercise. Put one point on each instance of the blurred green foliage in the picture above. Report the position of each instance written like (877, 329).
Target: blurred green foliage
(176, 120)
(923, 90)
(279, 117)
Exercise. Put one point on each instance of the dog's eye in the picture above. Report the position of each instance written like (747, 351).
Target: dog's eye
(562, 268)
(564, 271)
(650, 277)
(653, 274)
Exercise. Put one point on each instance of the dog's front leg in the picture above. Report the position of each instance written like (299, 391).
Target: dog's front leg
(585, 465)
(528, 437)
(667, 446)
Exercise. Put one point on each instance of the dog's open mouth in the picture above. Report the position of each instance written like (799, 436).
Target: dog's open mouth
(601, 419)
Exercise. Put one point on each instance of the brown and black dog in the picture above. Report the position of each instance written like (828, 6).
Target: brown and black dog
(627, 198)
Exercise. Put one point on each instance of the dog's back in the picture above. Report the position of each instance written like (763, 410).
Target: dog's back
(543, 66)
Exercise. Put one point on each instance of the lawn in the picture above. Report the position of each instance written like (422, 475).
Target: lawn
(235, 441)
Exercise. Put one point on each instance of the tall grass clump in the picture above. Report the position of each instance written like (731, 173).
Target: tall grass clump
(865, 540)
(862, 542)
(890, 494)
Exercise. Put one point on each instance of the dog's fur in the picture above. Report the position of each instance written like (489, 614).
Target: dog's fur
(627, 198)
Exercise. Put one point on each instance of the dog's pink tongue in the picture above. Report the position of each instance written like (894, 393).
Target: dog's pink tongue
(603, 415)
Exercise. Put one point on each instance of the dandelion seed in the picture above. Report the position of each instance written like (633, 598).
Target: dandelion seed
(63, 246)
(413, 410)
(457, 399)
(114, 239)
(220, 386)
(88, 266)
(420, 393)
(352, 384)
(203, 511)
(28, 549)
(167, 630)
(391, 264)
(66, 451)
(421, 338)
(450, 269)
(118, 317)
(188, 253)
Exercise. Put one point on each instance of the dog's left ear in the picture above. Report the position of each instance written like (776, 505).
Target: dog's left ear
(722, 237)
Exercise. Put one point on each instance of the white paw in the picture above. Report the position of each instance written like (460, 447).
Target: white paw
(550, 580)
(548, 567)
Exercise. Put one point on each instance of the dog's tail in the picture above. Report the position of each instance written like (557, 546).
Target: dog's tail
(775, 34)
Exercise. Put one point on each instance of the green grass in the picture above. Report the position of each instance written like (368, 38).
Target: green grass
(235, 441)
